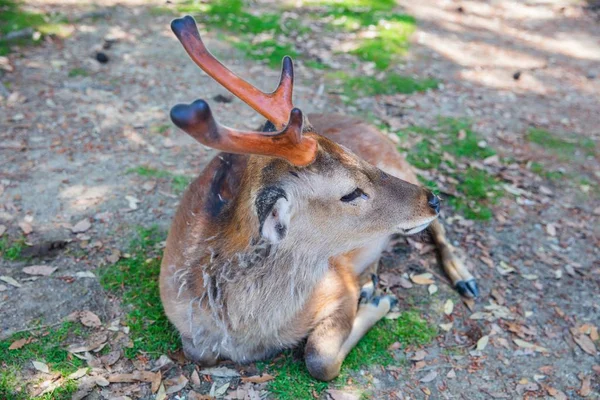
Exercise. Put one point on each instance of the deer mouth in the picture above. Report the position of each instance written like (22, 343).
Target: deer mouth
(416, 229)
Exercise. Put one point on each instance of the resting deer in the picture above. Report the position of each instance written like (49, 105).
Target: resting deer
(272, 241)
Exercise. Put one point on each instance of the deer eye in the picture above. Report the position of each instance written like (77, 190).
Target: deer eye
(355, 194)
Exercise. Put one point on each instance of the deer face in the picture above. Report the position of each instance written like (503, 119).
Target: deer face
(340, 201)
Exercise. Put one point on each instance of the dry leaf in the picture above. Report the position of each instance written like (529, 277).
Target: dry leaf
(114, 256)
(451, 374)
(43, 270)
(90, 319)
(422, 279)
(429, 377)
(594, 334)
(40, 366)
(133, 202)
(483, 342)
(526, 345)
(551, 229)
(158, 378)
(504, 268)
(101, 381)
(195, 378)
(448, 307)
(585, 343)
(78, 374)
(161, 394)
(10, 281)
(258, 378)
(177, 384)
(81, 226)
(555, 393)
(111, 358)
(432, 289)
(341, 395)
(20, 343)
(446, 327)
(419, 355)
(26, 227)
(221, 372)
(586, 385)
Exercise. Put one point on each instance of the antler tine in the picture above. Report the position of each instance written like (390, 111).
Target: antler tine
(274, 106)
(196, 119)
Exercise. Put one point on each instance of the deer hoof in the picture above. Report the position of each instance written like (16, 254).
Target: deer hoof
(468, 288)
(368, 290)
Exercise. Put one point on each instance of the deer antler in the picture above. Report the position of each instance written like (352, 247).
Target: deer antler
(274, 106)
(196, 119)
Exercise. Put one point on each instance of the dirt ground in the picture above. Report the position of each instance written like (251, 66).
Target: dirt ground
(68, 146)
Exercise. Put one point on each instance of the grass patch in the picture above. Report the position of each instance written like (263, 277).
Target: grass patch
(478, 189)
(564, 147)
(293, 381)
(178, 182)
(13, 18)
(363, 86)
(551, 175)
(47, 345)
(135, 280)
(11, 250)
(75, 72)
(268, 51)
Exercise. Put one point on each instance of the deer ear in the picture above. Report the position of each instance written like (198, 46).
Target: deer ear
(274, 211)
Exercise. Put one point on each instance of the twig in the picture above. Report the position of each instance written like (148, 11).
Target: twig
(35, 328)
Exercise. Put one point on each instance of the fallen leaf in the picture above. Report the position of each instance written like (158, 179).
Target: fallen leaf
(85, 274)
(161, 394)
(114, 256)
(101, 381)
(43, 270)
(195, 378)
(451, 374)
(448, 307)
(3, 288)
(526, 345)
(221, 372)
(26, 227)
(422, 279)
(218, 391)
(483, 342)
(19, 343)
(551, 229)
(174, 385)
(586, 385)
(111, 358)
(258, 378)
(2, 230)
(429, 377)
(557, 394)
(198, 396)
(133, 202)
(78, 374)
(81, 226)
(90, 319)
(40, 366)
(10, 281)
(504, 268)
(158, 378)
(432, 289)
(419, 355)
(594, 333)
(585, 343)
(446, 327)
(341, 395)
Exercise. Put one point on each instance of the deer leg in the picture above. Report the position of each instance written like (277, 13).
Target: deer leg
(334, 337)
(454, 268)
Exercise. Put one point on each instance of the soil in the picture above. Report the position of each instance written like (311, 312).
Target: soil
(68, 145)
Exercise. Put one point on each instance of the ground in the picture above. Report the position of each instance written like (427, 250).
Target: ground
(496, 104)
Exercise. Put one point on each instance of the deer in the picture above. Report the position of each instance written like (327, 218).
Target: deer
(276, 243)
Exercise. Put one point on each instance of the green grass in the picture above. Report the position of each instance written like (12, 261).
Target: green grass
(363, 86)
(178, 182)
(135, 280)
(292, 380)
(75, 72)
(565, 147)
(14, 18)
(48, 346)
(11, 250)
(478, 189)
(269, 51)
(541, 170)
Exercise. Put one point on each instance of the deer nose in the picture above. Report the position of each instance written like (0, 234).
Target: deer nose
(434, 202)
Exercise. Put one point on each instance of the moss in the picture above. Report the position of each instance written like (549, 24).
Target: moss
(11, 250)
(565, 146)
(135, 280)
(178, 182)
(478, 190)
(362, 86)
(13, 18)
(75, 72)
(48, 346)
(292, 380)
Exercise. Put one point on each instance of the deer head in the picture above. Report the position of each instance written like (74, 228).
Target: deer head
(300, 187)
